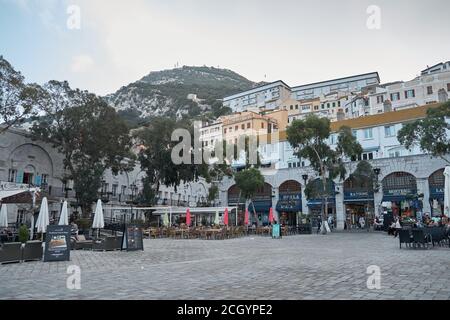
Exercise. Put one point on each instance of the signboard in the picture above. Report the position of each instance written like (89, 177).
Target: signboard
(437, 193)
(400, 192)
(57, 243)
(276, 234)
(132, 238)
(289, 202)
(358, 195)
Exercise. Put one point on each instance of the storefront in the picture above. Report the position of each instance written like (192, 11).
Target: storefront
(317, 205)
(359, 203)
(258, 208)
(400, 195)
(436, 184)
(290, 202)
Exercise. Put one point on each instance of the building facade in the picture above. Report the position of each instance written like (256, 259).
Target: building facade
(406, 179)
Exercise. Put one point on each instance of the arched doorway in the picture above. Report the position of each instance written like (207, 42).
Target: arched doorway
(400, 194)
(316, 204)
(436, 185)
(261, 203)
(358, 202)
(289, 202)
(236, 200)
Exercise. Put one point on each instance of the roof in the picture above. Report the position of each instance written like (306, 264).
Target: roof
(438, 64)
(369, 121)
(384, 118)
(323, 83)
(256, 89)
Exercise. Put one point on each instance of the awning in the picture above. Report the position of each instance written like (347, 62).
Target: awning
(10, 193)
(358, 200)
(260, 206)
(395, 198)
(318, 202)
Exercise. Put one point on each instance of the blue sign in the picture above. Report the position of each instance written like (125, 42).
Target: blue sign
(290, 202)
(355, 196)
(437, 193)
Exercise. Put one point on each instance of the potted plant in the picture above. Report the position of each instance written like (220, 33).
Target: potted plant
(24, 234)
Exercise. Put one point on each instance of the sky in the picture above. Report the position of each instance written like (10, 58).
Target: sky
(102, 45)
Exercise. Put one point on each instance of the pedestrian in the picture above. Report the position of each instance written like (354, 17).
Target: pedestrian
(362, 222)
(398, 227)
(319, 224)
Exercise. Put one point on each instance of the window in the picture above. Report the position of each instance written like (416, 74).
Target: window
(230, 129)
(380, 99)
(296, 107)
(292, 107)
(430, 90)
(339, 103)
(236, 128)
(12, 175)
(328, 105)
(323, 106)
(395, 96)
(316, 107)
(262, 125)
(243, 126)
(368, 133)
(389, 131)
(124, 189)
(448, 86)
(206, 143)
(44, 179)
(289, 165)
(249, 125)
(105, 187)
(410, 94)
(394, 154)
(225, 130)
(114, 189)
(334, 104)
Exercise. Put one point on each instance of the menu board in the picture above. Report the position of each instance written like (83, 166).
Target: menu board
(132, 238)
(276, 231)
(57, 243)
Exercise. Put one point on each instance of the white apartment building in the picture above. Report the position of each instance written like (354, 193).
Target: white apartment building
(440, 67)
(426, 89)
(210, 133)
(269, 97)
(348, 84)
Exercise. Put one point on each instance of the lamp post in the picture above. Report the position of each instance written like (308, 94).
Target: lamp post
(376, 171)
(305, 179)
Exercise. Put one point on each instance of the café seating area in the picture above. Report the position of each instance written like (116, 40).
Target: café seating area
(427, 237)
(218, 232)
(108, 243)
(18, 252)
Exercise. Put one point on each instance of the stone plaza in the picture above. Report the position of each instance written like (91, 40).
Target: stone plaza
(333, 266)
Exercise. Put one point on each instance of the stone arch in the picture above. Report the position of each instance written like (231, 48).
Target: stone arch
(289, 186)
(437, 179)
(399, 179)
(40, 154)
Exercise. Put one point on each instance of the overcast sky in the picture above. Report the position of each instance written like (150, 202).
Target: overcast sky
(119, 41)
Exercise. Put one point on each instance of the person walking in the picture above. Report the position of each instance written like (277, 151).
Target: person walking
(319, 224)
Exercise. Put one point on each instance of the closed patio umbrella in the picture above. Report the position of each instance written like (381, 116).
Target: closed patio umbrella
(64, 216)
(447, 191)
(43, 218)
(216, 218)
(225, 217)
(166, 220)
(246, 217)
(188, 217)
(99, 221)
(3, 216)
(271, 216)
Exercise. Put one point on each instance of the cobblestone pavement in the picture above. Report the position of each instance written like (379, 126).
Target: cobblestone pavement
(297, 267)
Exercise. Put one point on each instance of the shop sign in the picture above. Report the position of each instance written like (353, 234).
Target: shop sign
(358, 195)
(400, 192)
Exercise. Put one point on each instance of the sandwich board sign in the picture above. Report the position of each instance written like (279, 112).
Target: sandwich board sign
(57, 243)
(276, 234)
(132, 238)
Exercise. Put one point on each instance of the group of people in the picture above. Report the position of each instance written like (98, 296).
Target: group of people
(426, 221)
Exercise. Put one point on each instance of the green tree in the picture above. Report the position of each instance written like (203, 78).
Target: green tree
(88, 133)
(429, 133)
(155, 155)
(18, 100)
(310, 137)
(249, 181)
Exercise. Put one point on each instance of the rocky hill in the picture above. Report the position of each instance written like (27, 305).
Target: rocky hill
(181, 92)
